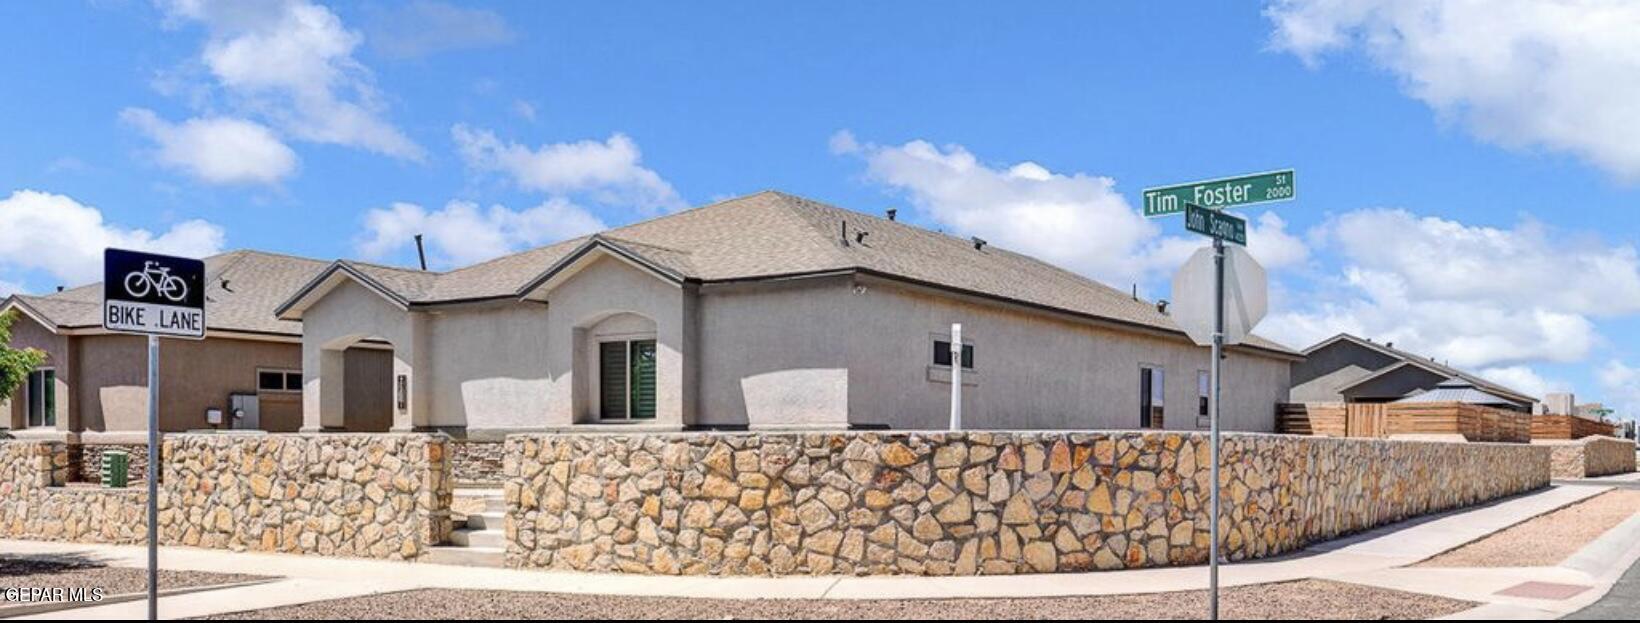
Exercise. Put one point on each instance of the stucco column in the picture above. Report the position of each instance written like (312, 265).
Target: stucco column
(413, 361)
(323, 391)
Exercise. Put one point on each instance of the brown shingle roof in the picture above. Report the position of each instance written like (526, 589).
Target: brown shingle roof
(243, 288)
(772, 234)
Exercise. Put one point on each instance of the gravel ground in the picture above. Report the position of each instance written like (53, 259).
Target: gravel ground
(1546, 540)
(74, 572)
(1308, 599)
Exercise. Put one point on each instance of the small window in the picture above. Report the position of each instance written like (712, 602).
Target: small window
(42, 398)
(626, 380)
(1204, 389)
(1152, 388)
(942, 354)
(278, 381)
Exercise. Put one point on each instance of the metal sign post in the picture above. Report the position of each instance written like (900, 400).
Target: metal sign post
(956, 377)
(1235, 278)
(153, 295)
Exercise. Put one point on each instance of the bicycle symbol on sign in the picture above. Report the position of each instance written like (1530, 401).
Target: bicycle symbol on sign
(158, 279)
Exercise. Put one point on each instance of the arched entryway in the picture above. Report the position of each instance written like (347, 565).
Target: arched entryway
(361, 389)
(616, 355)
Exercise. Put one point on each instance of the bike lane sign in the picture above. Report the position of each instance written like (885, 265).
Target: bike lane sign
(153, 294)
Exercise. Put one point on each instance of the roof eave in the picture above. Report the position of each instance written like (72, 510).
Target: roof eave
(316, 289)
(16, 302)
(595, 243)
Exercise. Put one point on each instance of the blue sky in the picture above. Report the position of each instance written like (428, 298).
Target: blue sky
(1466, 175)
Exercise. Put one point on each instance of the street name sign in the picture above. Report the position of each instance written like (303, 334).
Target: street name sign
(1221, 193)
(153, 294)
(1215, 224)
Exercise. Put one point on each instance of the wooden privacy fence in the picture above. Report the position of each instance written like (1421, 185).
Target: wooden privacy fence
(1569, 427)
(1473, 422)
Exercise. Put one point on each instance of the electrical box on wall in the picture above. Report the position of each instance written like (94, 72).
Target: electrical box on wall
(213, 417)
(246, 412)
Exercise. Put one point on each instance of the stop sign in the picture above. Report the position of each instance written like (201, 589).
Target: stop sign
(1245, 295)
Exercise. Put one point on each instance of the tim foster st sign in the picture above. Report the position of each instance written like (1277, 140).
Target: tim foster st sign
(1221, 193)
(153, 294)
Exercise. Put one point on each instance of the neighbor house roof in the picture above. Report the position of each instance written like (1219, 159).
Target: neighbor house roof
(775, 235)
(1410, 359)
(242, 290)
(1457, 390)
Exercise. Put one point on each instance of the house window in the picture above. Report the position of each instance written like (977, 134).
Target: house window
(1152, 386)
(942, 354)
(626, 380)
(1204, 389)
(42, 398)
(278, 381)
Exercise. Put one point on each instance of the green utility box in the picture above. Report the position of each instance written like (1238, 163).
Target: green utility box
(116, 467)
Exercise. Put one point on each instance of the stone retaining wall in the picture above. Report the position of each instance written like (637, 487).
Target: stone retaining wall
(377, 496)
(477, 462)
(1590, 456)
(967, 503)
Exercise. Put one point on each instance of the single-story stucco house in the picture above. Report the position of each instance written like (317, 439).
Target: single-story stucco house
(768, 311)
(1347, 368)
(93, 386)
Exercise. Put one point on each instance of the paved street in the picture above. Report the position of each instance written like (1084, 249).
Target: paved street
(1622, 603)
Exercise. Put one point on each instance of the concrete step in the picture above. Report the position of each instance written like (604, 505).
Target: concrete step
(478, 538)
(465, 556)
(487, 520)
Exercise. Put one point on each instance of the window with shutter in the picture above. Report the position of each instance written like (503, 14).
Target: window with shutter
(643, 379)
(612, 379)
(42, 398)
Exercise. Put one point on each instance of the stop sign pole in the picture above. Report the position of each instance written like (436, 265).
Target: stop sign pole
(1188, 199)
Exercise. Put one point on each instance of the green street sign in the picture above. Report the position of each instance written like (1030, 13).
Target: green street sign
(1215, 223)
(1221, 193)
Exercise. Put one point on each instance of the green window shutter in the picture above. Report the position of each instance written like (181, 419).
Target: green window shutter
(643, 379)
(612, 379)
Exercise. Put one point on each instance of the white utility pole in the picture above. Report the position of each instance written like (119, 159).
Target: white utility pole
(956, 376)
(153, 478)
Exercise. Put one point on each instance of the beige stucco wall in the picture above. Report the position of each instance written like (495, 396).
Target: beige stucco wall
(490, 367)
(777, 355)
(1033, 370)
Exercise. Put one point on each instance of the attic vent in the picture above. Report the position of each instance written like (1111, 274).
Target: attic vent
(1161, 307)
(892, 212)
(860, 236)
(979, 243)
(1389, 344)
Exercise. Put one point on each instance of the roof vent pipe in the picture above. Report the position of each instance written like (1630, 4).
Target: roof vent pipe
(845, 233)
(860, 236)
(59, 288)
(421, 254)
(979, 243)
(892, 212)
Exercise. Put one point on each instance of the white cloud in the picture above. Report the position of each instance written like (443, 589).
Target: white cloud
(461, 233)
(64, 238)
(1557, 74)
(1075, 220)
(216, 150)
(292, 63)
(1621, 384)
(423, 27)
(524, 109)
(1475, 296)
(610, 171)
(1524, 379)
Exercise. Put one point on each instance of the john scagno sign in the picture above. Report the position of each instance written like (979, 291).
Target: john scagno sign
(153, 294)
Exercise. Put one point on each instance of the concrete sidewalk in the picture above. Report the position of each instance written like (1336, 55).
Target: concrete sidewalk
(314, 578)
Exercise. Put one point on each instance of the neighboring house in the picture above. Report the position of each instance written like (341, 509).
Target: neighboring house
(93, 385)
(1346, 368)
(768, 311)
